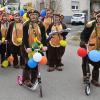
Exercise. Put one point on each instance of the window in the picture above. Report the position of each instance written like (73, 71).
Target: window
(52, 4)
(75, 5)
(77, 15)
(42, 6)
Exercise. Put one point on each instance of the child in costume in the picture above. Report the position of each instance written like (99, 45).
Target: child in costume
(32, 29)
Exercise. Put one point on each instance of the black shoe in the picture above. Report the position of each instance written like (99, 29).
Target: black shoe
(16, 66)
(95, 83)
(28, 83)
(59, 69)
(61, 64)
(51, 69)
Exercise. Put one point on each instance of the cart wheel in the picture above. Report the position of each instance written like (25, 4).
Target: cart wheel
(40, 87)
(20, 79)
(87, 89)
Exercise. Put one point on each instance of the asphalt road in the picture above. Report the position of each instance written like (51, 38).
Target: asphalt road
(65, 85)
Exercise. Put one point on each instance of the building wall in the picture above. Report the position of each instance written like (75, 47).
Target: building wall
(65, 6)
(96, 6)
(25, 1)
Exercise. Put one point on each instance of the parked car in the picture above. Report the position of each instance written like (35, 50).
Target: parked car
(78, 18)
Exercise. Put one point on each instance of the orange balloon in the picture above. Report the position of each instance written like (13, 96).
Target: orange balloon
(43, 61)
(11, 17)
(11, 58)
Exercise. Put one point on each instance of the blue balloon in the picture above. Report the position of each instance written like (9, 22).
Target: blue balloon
(22, 12)
(32, 64)
(43, 13)
(94, 55)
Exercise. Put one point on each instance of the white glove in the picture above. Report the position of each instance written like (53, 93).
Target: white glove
(28, 50)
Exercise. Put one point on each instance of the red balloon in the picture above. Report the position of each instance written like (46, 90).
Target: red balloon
(11, 17)
(82, 52)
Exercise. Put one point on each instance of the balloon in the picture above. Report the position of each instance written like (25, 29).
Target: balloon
(43, 60)
(32, 64)
(22, 12)
(11, 17)
(41, 45)
(25, 17)
(30, 55)
(10, 59)
(5, 63)
(82, 52)
(43, 13)
(94, 55)
(63, 43)
(35, 45)
(19, 40)
(37, 57)
(3, 39)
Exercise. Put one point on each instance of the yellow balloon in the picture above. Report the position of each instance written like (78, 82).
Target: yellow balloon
(37, 40)
(63, 43)
(19, 40)
(30, 55)
(25, 17)
(41, 45)
(5, 63)
(3, 39)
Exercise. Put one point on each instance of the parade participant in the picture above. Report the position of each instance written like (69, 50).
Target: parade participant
(54, 47)
(88, 36)
(32, 29)
(48, 19)
(62, 48)
(0, 15)
(4, 25)
(14, 37)
(2, 10)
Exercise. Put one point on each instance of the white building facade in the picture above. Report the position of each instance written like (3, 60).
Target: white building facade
(65, 7)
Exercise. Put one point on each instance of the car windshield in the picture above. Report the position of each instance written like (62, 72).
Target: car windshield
(77, 15)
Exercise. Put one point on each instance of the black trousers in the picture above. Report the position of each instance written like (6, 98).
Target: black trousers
(62, 51)
(16, 51)
(86, 68)
(3, 50)
(28, 73)
(54, 56)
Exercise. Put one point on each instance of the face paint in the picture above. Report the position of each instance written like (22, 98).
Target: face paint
(98, 18)
(34, 17)
(56, 19)
(4, 18)
(17, 18)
